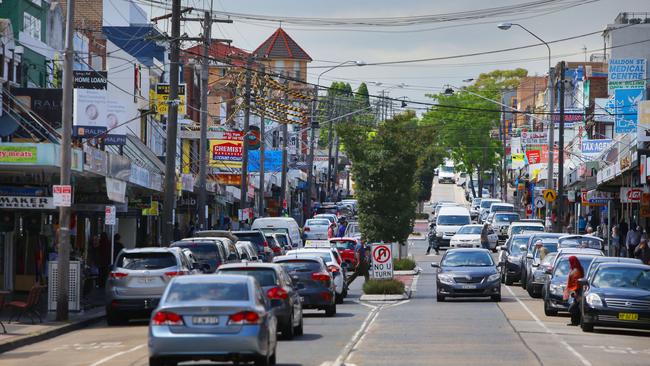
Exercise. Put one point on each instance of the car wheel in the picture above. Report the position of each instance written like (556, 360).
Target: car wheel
(523, 281)
(496, 298)
(440, 298)
(158, 361)
(299, 329)
(548, 310)
(339, 298)
(508, 280)
(113, 319)
(586, 327)
(287, 329)
(330, 310)
(530, 289)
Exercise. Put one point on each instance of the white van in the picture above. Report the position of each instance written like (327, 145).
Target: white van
(280, 224)
(448, 221)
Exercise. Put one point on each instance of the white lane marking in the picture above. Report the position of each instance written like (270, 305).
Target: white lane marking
(566, 345)
(397, 303)
(345, 352)
(118, 354)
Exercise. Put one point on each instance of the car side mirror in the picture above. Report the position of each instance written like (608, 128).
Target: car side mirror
(435, 265)
(583, 282)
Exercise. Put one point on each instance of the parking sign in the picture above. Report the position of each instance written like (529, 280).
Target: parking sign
(382, 261)
(62, 195)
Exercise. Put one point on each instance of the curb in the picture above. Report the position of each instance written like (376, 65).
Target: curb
(384, 297)
(48, 334)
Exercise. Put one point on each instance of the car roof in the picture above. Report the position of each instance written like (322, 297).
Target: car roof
(310, 250)
(450, 210)
(250, 265)
(526, 223)
(214, 234)
(472, 225)
(581, 236)
(616, 260)
(451, 250)
(579, 251)
(502, 204)
(300, 257)
(248, 232)
(152, 250)
(212, 278)
(624, 265)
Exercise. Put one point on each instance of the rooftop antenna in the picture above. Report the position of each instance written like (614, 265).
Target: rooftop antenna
(584, 49)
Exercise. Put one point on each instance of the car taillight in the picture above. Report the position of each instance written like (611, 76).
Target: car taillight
(166, 318)
(326, 296)
(306, 228)
(118, 274)
(277, 293)
(333, 268)
(244, 317)
(277, 250)
(320, 276)
(265, 243)
(175, 273)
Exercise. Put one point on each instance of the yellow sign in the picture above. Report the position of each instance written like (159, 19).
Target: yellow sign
(162, 98)
(226, 152)
(549, 195)
(151, 211)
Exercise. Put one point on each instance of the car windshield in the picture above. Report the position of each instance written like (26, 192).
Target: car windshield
(487, 204)
(327, 256)
(447, 169)
(202, 251)
(562, 267)
(501, 208)
(516, 243)
(297, 265)
(621, 277)
(469, 230)
(282, 240)
(317, 222)
(190, 292)
(265, 276)
(580, 242)
(467, 259)
(453, 220)
(550, 248)
(143, 260)
(506, 217)
(255, 238)
(344, 244)
(522, 228)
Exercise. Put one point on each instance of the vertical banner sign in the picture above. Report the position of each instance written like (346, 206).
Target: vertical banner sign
(109, 213)
(382, 261)
(62, 195)
(643, 123)
(626, 73)
(627, 101)
(90, 102)
(226, 151)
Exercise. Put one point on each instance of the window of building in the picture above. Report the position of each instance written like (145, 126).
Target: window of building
(279, 67)
(296, 69)
(32, 26)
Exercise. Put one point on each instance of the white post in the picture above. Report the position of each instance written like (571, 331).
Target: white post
(112, 243)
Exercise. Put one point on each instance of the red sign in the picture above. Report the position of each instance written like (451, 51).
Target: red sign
(533, 156)
(381, 254)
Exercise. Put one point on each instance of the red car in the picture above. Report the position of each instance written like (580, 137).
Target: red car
(345, 247)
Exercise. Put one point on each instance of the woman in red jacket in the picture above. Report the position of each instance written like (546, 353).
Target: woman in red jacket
(573, 289)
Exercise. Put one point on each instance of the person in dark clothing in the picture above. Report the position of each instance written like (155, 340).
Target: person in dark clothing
(485, 241)
(177, 232)
(642, 251)
(632, 240)
(117, 246)
(342, 226)
(622, 230)
(433, 241)
(363, 263)
(190, 230)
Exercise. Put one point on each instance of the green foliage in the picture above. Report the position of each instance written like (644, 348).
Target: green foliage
(383, 287)
(404, 264)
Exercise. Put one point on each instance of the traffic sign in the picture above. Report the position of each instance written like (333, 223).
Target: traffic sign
(382, 261)
(549, 195)
(62, 195)
(540, 202)
(110, 212)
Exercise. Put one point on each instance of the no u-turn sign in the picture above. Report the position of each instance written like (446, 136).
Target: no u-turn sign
(382, 261)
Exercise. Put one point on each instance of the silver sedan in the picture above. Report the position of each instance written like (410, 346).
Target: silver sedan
(213, 317)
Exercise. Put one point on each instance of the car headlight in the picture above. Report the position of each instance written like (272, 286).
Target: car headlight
(494, 277)
(446, 279)
(439, 234)
(594, 300)
(556, 289)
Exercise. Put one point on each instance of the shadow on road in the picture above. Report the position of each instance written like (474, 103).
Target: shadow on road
(322, 315)
(623, 332)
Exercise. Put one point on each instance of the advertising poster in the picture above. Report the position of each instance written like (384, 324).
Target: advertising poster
(18, 154)
(226, 151)
(272, 161)
(90, 102)
(626, 73)
(627, 101)
(643, 123)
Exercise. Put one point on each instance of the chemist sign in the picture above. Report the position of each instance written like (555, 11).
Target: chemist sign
(626, 73)
(382, 261)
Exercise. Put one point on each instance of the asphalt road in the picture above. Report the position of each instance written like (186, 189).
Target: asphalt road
(418, 331)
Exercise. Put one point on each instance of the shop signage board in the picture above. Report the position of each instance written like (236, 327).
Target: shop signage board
(226, 152)
(534, 138)
(62, 195)
(229, 179)
(27, 202)
(595, 147)
(534, 156)
(627, 101)
(382, 261)
(643, 121)
(162, 97)
(18, 154)
(571, 117)
(517, 161)
(116, 190)
(626, 73)
(604, 110)
(631, 194)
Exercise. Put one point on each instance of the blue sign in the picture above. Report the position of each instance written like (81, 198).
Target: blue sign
(594, 147)
(627, 101)
(272, 161)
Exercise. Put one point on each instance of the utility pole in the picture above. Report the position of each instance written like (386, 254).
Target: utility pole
(551, 132)
(560, 165)
(63, 261)
(203, 141)
(285, 158)
(310, 156)
(172, 124)
(330, 132)
(502, 130)
(243, 197)
(262, 148)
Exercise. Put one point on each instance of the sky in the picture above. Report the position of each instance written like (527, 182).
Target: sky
(331, 45)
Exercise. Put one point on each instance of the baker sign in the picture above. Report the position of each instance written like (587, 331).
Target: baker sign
(382, 261)
(629, 195)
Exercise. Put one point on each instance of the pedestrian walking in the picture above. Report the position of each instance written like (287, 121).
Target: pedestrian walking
(117, 245)
(616, 241)
(582, 224)
(485, 241)
(433, 241)
(623, 229)
(642, 251)
(633, 239)
(331, 230)
(573, 291)
(190, 230)
(177, 232)
(363, 263)
(342, 226)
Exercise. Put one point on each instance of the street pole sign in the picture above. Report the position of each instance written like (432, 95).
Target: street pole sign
(109, 212)
(382, 261)
(540, 202)
(62, 195)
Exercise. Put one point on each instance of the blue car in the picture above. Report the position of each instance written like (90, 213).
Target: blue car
(467, 272)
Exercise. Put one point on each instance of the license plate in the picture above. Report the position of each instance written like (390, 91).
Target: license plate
(205, 320)
(145, 279)
(468, 287)
(628, 316)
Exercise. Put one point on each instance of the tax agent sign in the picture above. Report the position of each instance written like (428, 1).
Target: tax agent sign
(382, 261)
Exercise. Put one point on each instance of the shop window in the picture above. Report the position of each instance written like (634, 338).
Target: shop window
(32, 26)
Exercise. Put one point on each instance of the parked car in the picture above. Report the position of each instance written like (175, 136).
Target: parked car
(247, 251)
(280, 224)
(138, 279)
(333, 261)
(448, 221)
(345, 247)
(211, 252)
(314, 282)
(510, 257)
(274, 245)
(279, 289)
(527, 260)
(582, 241)
(467, 272)
(213, 317)
(534, 285)
(257, 237)
(469, 236)
(617, 295)
(520, 227)
(556, 283)
(501, 222)
(316, 229)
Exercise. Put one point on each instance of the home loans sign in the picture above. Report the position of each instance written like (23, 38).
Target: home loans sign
(382, 261)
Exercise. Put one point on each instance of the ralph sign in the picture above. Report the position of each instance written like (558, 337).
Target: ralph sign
(382, 261)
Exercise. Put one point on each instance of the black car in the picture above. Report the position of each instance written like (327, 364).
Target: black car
(257, 237)
(467, 272)
(279, 289)
(210, 253)
(617, 295)
(582, 241)
(511, 258)
(600, 260)
(556, 283)
(527, 260)
(314, 282)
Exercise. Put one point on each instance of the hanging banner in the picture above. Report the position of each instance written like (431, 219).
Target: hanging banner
(116, 190)
(627, 101)
(595, 147)
(90, 102)
(643, 121)
(272, 161)
(534, 138)
(626, 73)
(226, 152)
